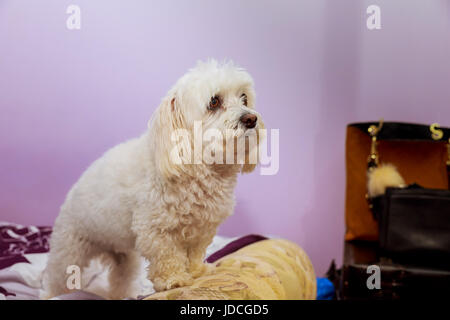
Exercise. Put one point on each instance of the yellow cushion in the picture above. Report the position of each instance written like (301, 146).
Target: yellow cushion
(265, 270)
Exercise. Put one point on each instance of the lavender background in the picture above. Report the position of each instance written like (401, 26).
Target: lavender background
(67, 96)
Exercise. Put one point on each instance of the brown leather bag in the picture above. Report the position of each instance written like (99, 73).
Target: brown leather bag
(421, 154)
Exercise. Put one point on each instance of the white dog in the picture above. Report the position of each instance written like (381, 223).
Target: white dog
(136, 201)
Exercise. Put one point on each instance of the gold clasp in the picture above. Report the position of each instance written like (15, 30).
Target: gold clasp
(448, 152)
(436, 133)
(373, 159)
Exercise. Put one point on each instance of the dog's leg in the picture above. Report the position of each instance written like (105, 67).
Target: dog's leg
(67, 250)
(196, 254)
(168, 260)
(122, 275)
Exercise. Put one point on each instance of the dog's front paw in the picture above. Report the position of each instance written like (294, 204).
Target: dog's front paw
(174, 281)
(199, 269)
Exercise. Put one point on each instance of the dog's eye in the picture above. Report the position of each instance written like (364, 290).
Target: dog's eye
(214, 103)
(244, 98)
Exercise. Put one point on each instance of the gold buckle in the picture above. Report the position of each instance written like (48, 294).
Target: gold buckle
(448, 152)
(437, 134)
(373, 159)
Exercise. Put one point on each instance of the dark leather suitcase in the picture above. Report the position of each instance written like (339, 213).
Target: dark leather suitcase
(396, 281)
(414, 225)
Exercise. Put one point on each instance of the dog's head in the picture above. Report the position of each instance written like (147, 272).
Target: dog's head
(208, 117)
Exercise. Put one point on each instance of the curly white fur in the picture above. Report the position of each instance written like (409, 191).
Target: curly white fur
(135, 201)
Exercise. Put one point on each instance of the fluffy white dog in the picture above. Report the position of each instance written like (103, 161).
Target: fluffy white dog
(137, 201)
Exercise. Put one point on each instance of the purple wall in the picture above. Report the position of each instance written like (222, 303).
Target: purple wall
(67, 96)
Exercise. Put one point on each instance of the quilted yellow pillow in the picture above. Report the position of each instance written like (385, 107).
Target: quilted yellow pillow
(268, 269)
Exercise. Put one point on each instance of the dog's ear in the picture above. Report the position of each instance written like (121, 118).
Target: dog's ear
(260, 136)
(169, 137)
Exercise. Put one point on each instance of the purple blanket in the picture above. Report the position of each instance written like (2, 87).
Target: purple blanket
(16, 240)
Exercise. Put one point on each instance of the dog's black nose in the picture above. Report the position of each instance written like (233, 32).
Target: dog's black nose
(249, 120)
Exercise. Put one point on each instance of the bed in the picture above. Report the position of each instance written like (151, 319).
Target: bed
(24, 250)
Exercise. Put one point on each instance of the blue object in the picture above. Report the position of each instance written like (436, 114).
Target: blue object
(325, 289)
